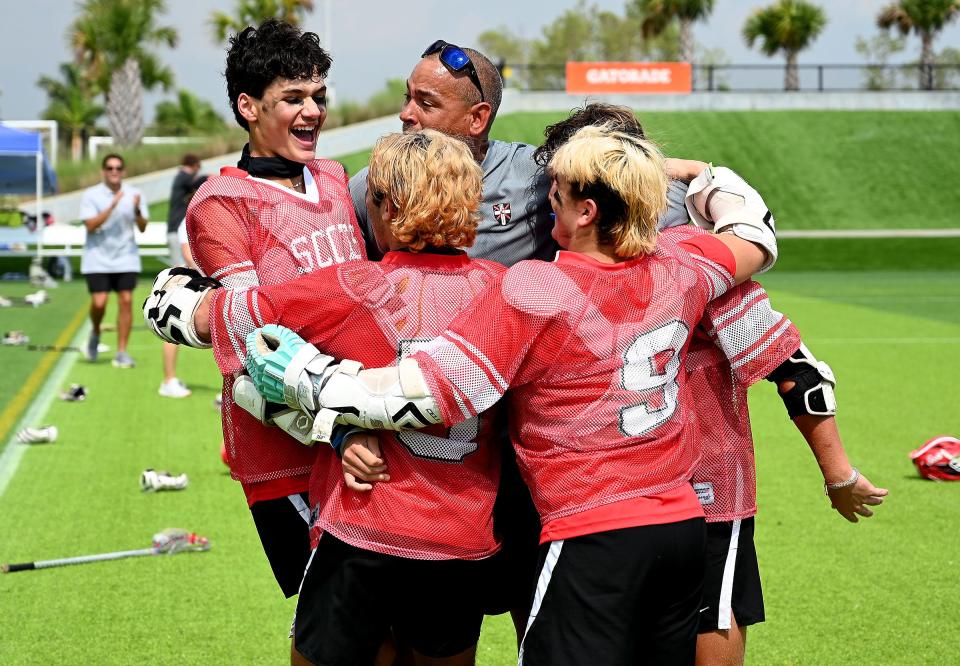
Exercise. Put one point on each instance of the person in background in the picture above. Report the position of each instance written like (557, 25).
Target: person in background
(111, 260)
(185, 183)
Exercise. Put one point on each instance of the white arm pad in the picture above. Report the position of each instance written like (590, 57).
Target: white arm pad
(720, 200)
(395, 398)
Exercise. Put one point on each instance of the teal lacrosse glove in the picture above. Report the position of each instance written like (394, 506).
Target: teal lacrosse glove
(281, 363)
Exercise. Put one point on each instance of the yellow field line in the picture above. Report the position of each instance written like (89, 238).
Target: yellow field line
(10, 414)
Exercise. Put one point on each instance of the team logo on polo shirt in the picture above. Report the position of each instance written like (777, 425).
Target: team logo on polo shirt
(501, 212)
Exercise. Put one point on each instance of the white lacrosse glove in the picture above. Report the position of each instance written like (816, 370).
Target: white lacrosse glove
(292, 421)
(284, 367)
(173, 301)
(394, 398)
(720, 200)
(287, 369)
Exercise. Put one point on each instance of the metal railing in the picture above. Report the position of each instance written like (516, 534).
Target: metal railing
(771, 77)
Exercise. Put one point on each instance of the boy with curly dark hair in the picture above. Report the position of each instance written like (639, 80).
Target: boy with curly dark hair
(280, 214)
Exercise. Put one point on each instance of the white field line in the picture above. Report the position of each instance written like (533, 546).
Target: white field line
(10, 459)
(869, 233)
(885, 341)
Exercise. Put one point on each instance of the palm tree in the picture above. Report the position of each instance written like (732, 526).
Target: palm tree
(924, 17)
(658, 14)
(255, 12)
(71, 104)
(188, 114)
(789, 26)
(112, 41)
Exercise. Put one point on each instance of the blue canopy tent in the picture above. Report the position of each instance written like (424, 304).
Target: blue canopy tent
(24, 169)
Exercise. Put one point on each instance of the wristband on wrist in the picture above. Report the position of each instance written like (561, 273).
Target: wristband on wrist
(827, 487)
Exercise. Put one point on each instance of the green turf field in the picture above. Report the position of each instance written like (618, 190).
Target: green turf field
(884, 313)
(835, 592)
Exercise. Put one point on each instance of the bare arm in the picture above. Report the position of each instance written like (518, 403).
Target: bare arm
(823, 437)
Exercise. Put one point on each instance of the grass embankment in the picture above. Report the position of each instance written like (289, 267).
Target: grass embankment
(816, 169)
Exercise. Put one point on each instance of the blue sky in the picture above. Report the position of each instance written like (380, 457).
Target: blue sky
(372, 40)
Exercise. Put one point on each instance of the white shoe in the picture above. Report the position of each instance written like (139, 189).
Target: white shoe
(39, 435)
(5, 302)
(123, 360)
(174, 388)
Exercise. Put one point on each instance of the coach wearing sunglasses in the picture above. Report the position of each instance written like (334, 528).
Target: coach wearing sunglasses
(457, 91)
(111, 260)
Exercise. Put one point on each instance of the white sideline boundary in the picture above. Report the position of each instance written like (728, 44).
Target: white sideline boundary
(869, 233)
(14, 450)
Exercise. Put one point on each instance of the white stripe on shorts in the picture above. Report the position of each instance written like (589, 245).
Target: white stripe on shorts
(300, 506)
(546, 573)
(724, 609)
(293, 622)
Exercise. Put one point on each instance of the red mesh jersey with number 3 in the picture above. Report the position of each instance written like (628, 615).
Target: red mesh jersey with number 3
(245, 233)
(600, 411)
(438, 503)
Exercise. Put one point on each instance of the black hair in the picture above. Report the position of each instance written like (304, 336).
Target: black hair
(276, 49)
(112, 156)
(618, 118)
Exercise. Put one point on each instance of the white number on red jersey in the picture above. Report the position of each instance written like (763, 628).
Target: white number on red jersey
(650, 367)
(323, 245)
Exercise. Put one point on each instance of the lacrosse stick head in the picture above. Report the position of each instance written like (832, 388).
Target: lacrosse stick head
(176, 540)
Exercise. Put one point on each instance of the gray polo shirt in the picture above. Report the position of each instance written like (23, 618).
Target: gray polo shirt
(515, 210)
(515, 219)
(112, 247)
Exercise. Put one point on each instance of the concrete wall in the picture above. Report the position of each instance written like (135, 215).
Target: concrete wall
(514, 101)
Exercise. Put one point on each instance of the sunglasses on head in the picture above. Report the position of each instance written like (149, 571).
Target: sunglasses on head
(456, 60)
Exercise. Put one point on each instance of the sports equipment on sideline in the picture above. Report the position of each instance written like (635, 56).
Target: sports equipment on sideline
(173, 300)
(76, 393)
(41, 435)
(938, 459)
(814, 382)
(152, 481)
(720, 200)
(15, 338)
(168, 542)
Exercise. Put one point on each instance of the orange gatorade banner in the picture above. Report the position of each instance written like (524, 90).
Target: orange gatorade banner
(628, 77)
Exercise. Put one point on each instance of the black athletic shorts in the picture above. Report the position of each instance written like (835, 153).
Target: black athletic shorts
(351, 597)
(732, 581)
(284, 528)
(100, 282)
(512, 573)
(627, 596)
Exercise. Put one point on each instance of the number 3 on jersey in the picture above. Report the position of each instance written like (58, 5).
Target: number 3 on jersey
(650, 367)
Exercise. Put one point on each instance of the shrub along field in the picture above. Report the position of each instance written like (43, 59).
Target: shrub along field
(884, 313)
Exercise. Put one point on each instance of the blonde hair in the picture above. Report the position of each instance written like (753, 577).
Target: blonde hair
(435, 184)
(626, 177)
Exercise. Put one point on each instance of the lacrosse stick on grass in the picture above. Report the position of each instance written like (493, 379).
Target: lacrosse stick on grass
(170, 541)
